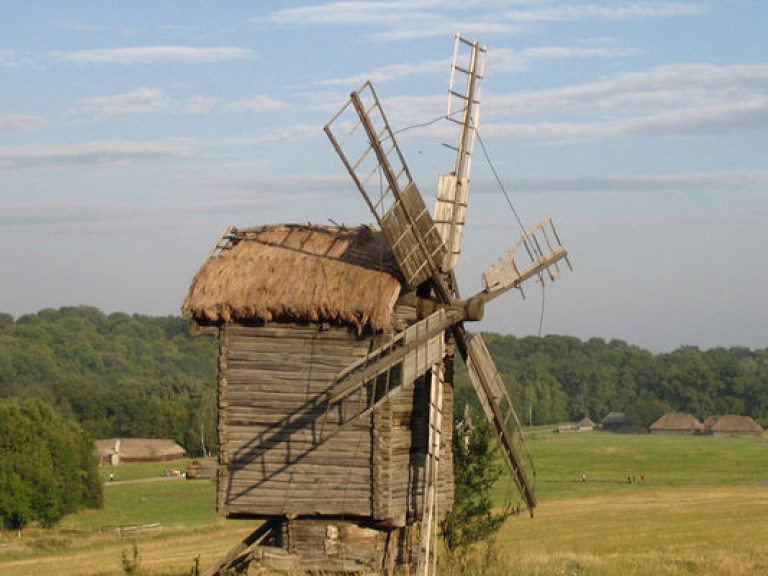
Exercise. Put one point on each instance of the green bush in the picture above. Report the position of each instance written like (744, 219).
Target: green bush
(48, 467)
(476, 470)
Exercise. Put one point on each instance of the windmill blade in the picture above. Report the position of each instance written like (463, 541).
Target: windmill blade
(365, 384)
(499, 410)
(543, 249)
(467, 71)
(364, 140)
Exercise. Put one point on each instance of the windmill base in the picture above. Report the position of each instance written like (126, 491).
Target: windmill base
(334, 546)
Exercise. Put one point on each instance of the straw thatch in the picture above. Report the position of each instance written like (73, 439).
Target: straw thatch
(586, 424)
(677, 423)
(138, 450)
(298, 273)
(732, 425)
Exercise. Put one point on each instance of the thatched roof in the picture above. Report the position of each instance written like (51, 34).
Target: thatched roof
(298, 273)
(679, 422)
(139, 448)
(734, 425)
(586, 422)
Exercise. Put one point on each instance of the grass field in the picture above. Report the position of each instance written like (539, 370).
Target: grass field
(702, 510)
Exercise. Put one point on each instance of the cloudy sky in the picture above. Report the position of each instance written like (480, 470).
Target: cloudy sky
(132, 133)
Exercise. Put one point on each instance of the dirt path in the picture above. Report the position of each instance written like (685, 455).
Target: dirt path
(145, 480)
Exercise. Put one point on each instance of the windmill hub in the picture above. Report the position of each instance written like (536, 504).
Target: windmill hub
(471, 310)
(474, 309)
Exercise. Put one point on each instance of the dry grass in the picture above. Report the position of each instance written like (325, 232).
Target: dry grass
(669, 532)
(674, 531)
(171, 552)
(703, 511)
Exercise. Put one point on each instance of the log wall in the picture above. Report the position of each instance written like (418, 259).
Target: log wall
(272, 381)
(271, 384)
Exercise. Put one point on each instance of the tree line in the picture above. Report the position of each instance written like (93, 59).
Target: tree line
(562, 378)
(141, 376)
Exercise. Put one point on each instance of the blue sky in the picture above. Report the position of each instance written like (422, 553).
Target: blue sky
(132, 133)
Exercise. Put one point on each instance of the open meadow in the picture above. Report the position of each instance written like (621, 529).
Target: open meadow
(702, 509)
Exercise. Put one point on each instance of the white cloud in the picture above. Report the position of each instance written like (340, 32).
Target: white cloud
(304, 185)
(720, 119)
(419, 19)
(499, 60)
(142, 101)
(727, 181)
(390, 73)
(8, 59)
(352, 13)
(73, 213)
(680, 85)
(18, 122)
(504, 59)
(625, 11)
(159, 55)
(259, 103)
(677, 99)
(90, 153)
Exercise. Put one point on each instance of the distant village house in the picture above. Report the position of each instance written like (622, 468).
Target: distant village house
(677, 423)
(584, 425)
(113, 451)
(732, 425)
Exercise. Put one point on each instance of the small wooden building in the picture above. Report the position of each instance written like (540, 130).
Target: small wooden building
(677, 423)
(112, 451)
(584, 425)
(615, 422)
(293, 306)
(732, 425)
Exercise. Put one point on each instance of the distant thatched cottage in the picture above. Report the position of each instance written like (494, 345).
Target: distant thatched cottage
(677, 423)
(732, 425)
(113, 451)
(585, 425)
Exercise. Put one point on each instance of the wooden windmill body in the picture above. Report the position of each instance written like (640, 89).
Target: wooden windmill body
(336, 357)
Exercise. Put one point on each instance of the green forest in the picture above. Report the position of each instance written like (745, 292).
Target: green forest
(139, 376)
(118, 375)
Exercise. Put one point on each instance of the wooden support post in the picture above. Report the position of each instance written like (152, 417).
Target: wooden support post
(227, 560)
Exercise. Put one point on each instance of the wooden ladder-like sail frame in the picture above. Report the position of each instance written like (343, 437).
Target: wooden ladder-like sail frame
(467, 71)
(374, 160)
(369, 149)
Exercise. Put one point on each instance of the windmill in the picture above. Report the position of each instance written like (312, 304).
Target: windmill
(428, 248)
(336, 355)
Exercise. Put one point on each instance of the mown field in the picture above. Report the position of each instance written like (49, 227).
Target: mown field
(703, 509)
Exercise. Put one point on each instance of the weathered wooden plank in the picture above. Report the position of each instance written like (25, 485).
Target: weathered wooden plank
(244, 350)
(222, 426)
(313, 472)
(306, 439)
(261, 420)
(290, 451)
(337, 356)
(292, 331)
(277, 508)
